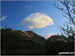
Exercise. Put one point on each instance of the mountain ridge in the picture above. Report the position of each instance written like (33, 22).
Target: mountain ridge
(27, 34)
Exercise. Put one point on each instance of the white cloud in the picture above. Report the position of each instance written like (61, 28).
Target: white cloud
(37, 20)
(47, 36)
(3, 18)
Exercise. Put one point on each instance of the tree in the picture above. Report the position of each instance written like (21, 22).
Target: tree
(69, 11)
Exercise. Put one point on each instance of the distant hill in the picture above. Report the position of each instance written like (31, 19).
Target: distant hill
(16, 39)
(29, 35)
(32, 36)
(35, 37)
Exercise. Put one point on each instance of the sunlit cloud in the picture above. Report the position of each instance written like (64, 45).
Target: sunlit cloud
(3, 18)
(37, 20)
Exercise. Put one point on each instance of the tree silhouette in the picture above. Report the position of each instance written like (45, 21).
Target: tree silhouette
(68, 8)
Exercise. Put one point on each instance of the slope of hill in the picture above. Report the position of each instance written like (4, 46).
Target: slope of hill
(35, 37)
(16, 39)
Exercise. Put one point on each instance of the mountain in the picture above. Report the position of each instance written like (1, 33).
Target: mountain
(35, 37)
(18, 36)
(32, 36)
(15, 42)
(19, 40)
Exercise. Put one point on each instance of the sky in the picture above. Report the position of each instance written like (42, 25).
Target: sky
(38, 16)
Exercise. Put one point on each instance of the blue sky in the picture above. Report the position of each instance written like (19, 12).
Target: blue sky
(16, 11)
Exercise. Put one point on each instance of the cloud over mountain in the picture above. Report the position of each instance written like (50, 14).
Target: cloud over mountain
(47, 36)
(37, 20)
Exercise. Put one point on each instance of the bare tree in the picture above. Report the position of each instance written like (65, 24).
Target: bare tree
(69, 11)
